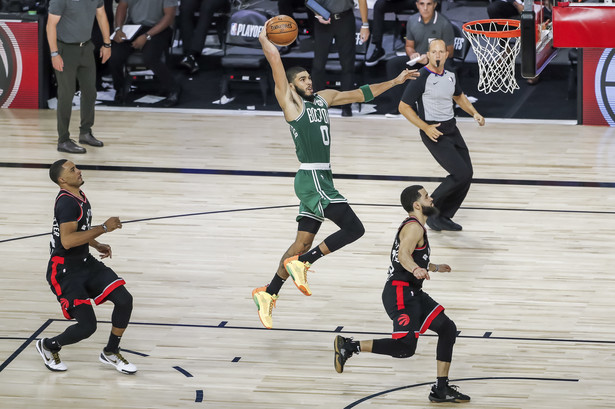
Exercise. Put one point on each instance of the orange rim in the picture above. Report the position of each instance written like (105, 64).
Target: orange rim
(514, 28)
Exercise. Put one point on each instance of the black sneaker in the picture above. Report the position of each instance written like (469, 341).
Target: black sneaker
(376, 56)
(343, 351)
(447, 394)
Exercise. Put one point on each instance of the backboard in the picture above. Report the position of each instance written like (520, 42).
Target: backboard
(536, 37)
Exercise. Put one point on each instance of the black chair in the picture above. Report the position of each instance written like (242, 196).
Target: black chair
(137, 73)
(461, 45)
(243, 60)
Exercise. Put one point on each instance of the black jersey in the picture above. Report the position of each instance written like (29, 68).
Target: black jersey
(420, 255)
(70, 208)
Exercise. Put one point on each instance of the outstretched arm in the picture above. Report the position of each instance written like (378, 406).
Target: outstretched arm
(334, 97)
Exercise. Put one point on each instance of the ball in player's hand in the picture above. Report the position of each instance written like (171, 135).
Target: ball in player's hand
(282, 30)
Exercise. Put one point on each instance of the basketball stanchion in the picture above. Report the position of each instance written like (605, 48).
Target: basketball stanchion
(496, 44)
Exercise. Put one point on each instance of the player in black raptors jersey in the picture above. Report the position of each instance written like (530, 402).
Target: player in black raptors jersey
(77, 278)
(412, 310)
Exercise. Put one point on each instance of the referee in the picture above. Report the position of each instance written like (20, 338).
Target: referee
(428, 104)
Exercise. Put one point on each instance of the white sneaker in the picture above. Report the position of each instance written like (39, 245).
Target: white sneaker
(117, 360)
(51, 359)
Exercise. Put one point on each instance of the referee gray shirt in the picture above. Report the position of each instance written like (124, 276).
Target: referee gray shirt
(76, 18)
(147, 12)
(423, 33)
(431, 95)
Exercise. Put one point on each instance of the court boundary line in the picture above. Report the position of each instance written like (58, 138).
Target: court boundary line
(291, 174)
(399, 388)
(204, 213)
(338, 330)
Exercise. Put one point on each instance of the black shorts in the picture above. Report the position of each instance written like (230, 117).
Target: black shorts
(79, 281)
(412, 310)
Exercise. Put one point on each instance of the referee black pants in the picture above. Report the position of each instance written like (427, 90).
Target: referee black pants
(343, 30)
(452, 154)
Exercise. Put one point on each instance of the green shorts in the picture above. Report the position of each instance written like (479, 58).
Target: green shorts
(315, 190)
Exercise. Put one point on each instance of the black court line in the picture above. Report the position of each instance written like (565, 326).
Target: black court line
(520, 378)
(25, 344)
(199, 395)
(173, 216)
(335, 330)
(183, 371)
(404, 178)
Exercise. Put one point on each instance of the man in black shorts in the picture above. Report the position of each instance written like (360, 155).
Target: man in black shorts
(77, 278)
(412, 310)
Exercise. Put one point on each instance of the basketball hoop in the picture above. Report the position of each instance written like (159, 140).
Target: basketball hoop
(496, 45)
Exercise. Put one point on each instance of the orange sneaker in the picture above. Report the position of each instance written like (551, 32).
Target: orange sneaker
(298, 271)
(265, 303)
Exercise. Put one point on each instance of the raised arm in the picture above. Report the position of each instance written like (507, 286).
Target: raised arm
(366, 92)
(283, 93)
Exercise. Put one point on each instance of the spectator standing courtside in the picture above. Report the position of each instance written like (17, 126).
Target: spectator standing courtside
(153, 38)
(341, 27)
(69, 32)
(428, 104)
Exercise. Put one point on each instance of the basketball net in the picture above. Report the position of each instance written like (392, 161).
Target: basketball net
(496, 45)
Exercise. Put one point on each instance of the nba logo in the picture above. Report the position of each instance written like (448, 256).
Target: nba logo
(233, 29)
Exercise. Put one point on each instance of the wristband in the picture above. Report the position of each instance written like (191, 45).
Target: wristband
(437, 268)
(365, 25)
(117, 29)
(415, 269)
(104, 228)
(107, 45)
(367, 92)
(54, 54)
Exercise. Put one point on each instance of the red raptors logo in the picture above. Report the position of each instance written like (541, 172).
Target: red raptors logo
(403, 320)
(10, 66)
(64, 303)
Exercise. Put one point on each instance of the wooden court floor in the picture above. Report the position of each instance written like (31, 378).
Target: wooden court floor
(208, 208)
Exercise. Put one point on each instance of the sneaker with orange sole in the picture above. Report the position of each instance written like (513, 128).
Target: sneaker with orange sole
(265, 303)
(298, 271)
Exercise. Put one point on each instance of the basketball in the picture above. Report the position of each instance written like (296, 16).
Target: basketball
(282, 30)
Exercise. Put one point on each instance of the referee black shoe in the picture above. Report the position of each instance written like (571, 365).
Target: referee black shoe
(343, 350)
(449, 224)
(447, 394)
